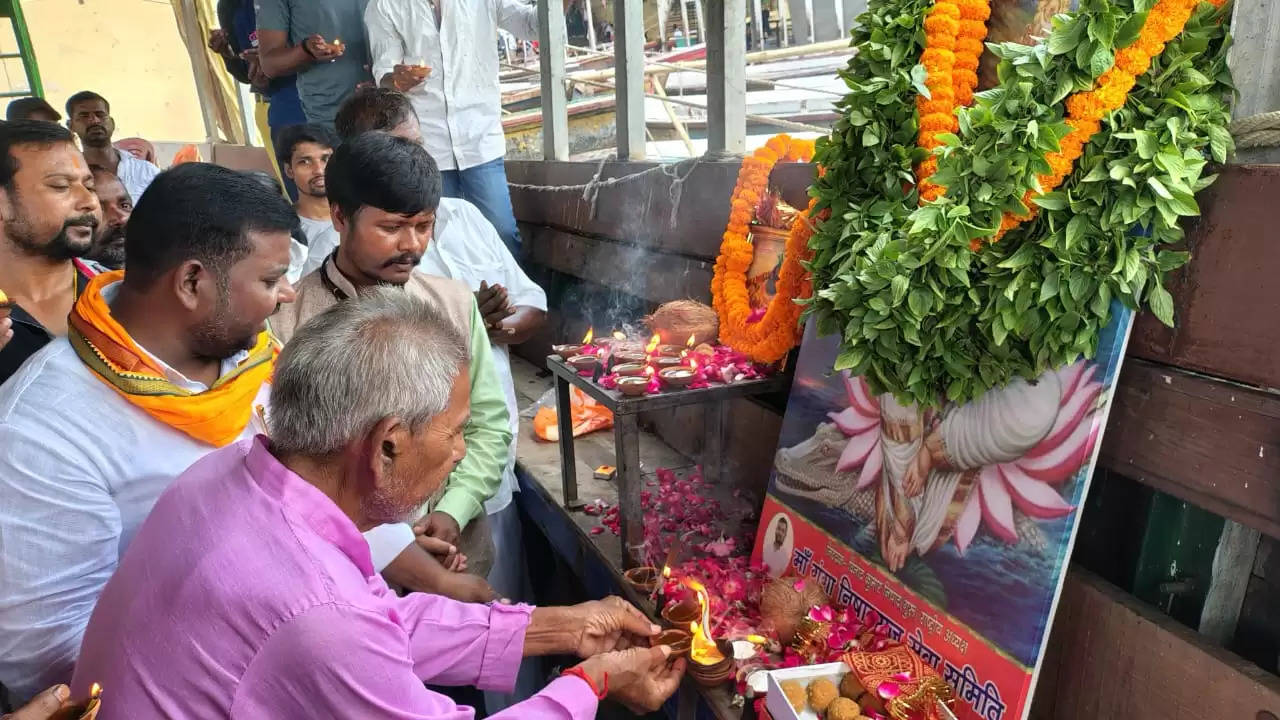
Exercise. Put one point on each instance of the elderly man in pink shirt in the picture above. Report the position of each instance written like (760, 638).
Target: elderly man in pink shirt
(249, 591)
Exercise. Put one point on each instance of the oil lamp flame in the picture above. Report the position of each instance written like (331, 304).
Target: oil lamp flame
(666, 571)
(758, 639)
(95, 691)
(648, 370)
(689, 342)
(653, 344)
(703, 650)
(586, 339)
(619, 335)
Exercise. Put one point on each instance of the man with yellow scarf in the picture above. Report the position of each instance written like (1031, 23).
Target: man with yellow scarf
(160, 367)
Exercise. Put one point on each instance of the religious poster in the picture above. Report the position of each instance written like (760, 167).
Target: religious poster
(951, 527)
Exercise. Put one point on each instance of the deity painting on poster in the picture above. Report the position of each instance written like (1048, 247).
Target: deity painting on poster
(953, 524)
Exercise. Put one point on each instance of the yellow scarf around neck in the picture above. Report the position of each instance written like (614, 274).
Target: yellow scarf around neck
(216, 416)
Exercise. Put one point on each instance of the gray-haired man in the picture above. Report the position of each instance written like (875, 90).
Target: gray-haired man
(277, 605)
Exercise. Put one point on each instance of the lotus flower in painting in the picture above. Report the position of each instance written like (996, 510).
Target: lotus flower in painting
(941, 476)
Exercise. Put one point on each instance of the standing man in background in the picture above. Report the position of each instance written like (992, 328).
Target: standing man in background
(303, 154)
(236, 42)
(459, 104)
(89, 117)
(320, 41)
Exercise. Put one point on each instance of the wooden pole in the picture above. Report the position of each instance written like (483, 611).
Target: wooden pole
(727, 77)
(1254, 57)
(555, 114)
(628, 54)
(684, 22)
(591, 26)
(681, 130)
(702, 21)
(757, 24)
(784, 17)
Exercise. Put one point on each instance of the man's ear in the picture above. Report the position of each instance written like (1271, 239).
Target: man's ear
(384, 444)
(340, 219)
(6, 207)
(192, 281)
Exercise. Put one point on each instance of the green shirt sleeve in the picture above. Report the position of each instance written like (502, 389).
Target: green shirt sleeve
(488, 435)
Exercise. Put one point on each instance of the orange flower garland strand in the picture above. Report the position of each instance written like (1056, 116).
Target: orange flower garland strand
(1085, 110)
(954, 31)
(773, 336)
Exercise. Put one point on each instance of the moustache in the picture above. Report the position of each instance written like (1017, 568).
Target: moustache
(112, 234)
(91, 128)
(403, 259)
(87, 221)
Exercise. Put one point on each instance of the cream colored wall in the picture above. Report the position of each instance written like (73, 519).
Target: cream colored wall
(128, 51)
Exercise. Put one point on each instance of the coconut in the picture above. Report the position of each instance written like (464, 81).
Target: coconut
(675, 321)
(784, 606)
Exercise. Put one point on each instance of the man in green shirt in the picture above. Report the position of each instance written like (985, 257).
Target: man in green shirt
(383, 193)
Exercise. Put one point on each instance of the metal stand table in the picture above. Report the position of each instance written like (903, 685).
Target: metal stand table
(626, 436)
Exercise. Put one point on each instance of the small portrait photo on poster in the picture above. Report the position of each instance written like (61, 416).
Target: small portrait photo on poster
(779, 541)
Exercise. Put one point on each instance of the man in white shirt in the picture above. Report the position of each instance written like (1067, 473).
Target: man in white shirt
(465, 247)
(89, 117)
(303, 151)
(459, 104)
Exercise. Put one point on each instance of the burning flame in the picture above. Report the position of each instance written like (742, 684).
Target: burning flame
(653, 344)
(693, 363)
(586, 339)
(95, 691)
(689, 342)
(666, 571)
(703, 650)
(648, 370)
(619, 335)
(758, 639)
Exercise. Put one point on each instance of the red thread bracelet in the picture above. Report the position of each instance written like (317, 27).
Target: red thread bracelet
(579, 672)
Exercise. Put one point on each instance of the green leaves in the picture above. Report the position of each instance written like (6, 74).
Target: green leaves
(922, 316)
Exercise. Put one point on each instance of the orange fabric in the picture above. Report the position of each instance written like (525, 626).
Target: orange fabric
(188, 153)
(588, 416)
(217, 416)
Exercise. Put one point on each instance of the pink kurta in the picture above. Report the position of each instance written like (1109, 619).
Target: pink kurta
(248, 594)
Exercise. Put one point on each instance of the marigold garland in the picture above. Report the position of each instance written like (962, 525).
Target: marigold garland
(1086, 109)
(954, 31)
(772, 336)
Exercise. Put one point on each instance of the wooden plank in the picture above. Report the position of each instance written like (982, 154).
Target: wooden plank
(1254, 56)
(639, 210)
(628, 48)
(1113, 657)
(1209, 442)
(551, 46)
(1232, 569)
(727, 77)
(1225, 301)
(630, 269)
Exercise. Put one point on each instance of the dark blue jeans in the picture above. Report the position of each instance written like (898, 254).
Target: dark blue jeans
(485, 186)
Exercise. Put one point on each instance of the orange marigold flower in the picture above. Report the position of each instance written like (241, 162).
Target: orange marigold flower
(968, 46)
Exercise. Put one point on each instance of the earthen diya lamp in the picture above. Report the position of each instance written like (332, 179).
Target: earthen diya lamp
(643, 579)
(566, 351)
(678, 640)
(668, 362)
(629, 369)
(680, 614)
(676, 378)
(627, 357)
(633, 386)
(710, 675)
(584, 363)
(670, 350)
